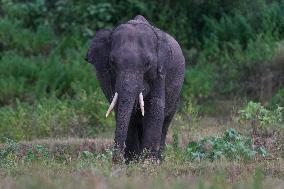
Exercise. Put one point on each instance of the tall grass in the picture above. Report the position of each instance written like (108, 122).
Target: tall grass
(52, 117)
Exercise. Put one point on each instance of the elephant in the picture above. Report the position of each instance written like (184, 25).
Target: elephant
(140, 69)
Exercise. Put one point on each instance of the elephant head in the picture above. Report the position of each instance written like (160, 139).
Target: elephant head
(127, 60)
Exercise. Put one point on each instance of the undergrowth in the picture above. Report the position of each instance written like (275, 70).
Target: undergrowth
(232, 146)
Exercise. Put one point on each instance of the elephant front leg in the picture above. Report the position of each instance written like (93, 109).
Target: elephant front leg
(152, 126)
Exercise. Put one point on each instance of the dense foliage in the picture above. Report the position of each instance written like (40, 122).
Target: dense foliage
(43, 43)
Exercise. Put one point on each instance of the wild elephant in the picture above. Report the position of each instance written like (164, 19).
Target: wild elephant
(140, 69)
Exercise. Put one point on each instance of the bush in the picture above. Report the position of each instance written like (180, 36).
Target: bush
(259, 117)
(29, 79)
(80, 117)
(14, 37)
(278, 98)
(199, 83)
(232, 145)
(234, 61)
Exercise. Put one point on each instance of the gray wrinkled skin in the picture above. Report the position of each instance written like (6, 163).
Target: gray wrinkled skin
(132, 58)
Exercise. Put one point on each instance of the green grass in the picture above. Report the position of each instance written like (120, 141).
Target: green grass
(86, 163)
(99, 173)
(81, 116)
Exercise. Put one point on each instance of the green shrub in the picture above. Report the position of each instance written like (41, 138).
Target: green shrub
(278, 98)
(232, 145)
(81, 117)
(12, 151)
(39, 77)
(232, 62)
(199, 82)
(259, 117)
(15, 37)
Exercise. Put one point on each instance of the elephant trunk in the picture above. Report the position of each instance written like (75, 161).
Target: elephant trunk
(128, 87)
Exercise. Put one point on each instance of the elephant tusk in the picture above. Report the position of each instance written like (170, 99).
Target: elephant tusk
(111, 106)
(141, 102)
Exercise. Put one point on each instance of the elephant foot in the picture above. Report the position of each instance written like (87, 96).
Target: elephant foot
(118, 153)
(118, 158)
(131, 157)
(151, 155)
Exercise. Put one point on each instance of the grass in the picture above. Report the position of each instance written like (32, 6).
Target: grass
(99, 174)
(86, 163)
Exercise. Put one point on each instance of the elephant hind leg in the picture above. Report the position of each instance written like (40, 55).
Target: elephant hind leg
(166, 125)
(167, 121)
(172, 102)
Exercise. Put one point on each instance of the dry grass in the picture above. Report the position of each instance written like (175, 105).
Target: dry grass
(220, 174)
(79, 144)
(174, 172)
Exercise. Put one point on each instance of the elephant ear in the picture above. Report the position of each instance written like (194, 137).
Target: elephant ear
(98, 55)
(164, 53)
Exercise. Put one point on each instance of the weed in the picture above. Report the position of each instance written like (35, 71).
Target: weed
(232, 145)
(259, 117)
